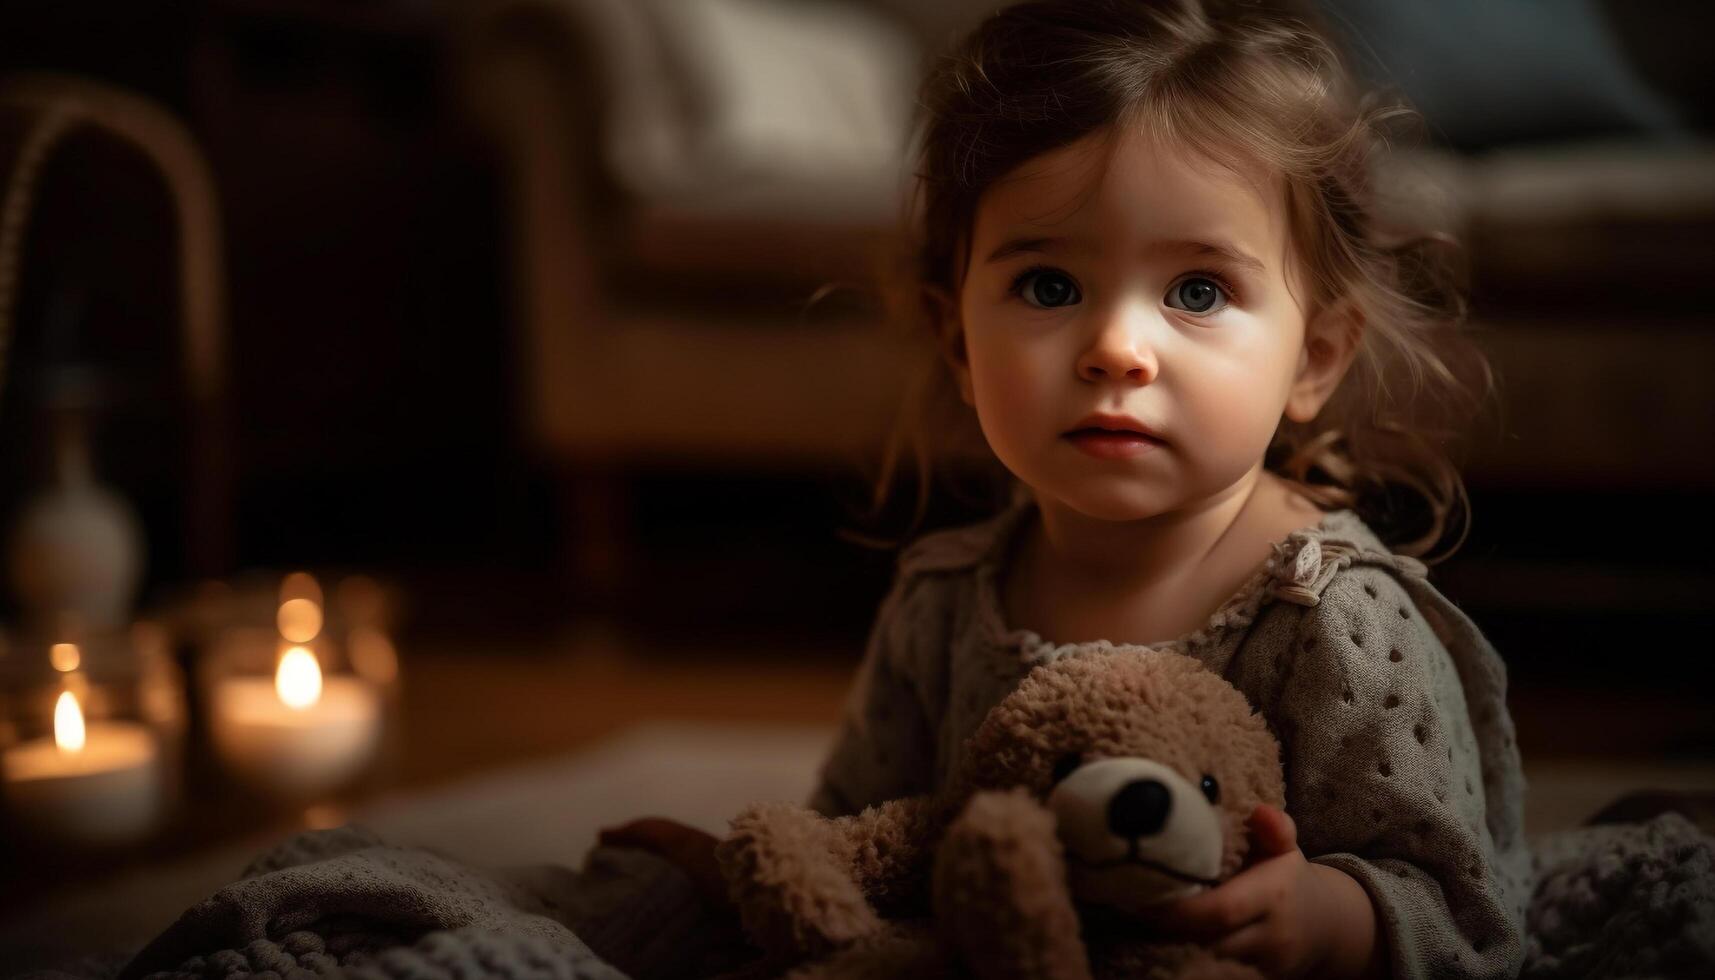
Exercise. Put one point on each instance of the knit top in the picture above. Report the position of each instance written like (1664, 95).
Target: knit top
(1389, 705)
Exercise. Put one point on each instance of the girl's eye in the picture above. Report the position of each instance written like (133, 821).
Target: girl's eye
(1196, 294)
(1046, 288)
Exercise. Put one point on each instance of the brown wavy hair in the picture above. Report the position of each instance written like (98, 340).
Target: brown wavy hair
(1246, 86)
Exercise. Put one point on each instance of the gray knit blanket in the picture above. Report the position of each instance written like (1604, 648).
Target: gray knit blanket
(346, 904)
(1614, 901)
(1623, 901)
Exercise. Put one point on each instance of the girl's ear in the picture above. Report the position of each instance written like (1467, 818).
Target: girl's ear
(950, 337)
(1331, 343)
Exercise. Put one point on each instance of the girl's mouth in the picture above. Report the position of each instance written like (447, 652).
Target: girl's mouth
(1111, 443)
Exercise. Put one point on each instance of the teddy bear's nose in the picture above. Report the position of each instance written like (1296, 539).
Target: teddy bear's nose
(1139, 808)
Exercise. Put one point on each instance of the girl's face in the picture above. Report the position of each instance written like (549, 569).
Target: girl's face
(1130, 339)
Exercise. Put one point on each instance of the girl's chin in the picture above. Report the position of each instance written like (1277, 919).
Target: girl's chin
(1115, 508)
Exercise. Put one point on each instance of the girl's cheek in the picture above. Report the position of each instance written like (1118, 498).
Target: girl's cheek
(1009, 362)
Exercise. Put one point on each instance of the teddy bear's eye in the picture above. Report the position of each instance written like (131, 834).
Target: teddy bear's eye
(1064, 765)
(1211, 789)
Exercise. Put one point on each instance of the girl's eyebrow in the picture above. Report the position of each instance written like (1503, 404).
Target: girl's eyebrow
(1220, 250)
(1019, 246)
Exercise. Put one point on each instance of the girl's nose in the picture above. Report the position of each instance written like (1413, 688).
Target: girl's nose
(1119, 352)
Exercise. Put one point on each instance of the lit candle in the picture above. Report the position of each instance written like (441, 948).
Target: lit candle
(98, 782)
(298, 733)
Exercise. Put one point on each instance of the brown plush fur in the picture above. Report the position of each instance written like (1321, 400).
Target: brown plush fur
(984, 854)
(1003, 844)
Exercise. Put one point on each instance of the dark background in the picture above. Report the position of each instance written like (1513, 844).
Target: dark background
(375, 367)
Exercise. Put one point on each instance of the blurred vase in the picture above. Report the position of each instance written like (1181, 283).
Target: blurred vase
(77, 549)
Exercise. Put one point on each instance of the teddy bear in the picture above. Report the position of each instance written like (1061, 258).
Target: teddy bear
(1103, 784)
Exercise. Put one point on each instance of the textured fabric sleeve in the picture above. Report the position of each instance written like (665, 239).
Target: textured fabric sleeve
(885, 747)
(1386, 777)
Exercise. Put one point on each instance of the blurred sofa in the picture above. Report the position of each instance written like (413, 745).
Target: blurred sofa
(684, 175)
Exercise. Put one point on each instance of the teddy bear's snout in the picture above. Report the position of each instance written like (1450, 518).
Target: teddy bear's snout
(1140, 808)
(1135, 832)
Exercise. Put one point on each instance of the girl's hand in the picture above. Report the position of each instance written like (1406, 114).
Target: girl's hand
(1282, 914)
(690, 849)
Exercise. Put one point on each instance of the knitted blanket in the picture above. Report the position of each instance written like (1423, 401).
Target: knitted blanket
(345, 904)
(1621, 901)
(1612, 902)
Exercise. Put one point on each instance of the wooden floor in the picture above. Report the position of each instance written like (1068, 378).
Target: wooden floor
(465, 710)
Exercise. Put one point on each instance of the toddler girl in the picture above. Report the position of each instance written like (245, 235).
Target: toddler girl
(1149, 259)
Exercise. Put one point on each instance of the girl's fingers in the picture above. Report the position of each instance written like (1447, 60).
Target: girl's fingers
(1245, 944)
(1272, 832)
(1213, 914)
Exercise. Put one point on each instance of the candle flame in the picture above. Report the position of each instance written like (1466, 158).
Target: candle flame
(68, 723)
(298, 680)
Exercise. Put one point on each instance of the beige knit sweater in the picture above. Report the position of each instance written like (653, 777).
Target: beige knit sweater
(1390, 707)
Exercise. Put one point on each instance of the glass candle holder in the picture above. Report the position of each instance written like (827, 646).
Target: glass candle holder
(92, 736)
(298, 706)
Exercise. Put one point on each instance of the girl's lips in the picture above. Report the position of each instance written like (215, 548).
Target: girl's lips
(1111, 444)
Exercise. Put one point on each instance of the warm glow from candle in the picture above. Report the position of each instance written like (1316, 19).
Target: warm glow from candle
(299, 620)
(298, 679)
(65, 657)
(68, 723)
(300, 585)
(372, 655)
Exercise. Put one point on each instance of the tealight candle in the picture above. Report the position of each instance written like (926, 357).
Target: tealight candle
(98, 783)
(298, 733)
